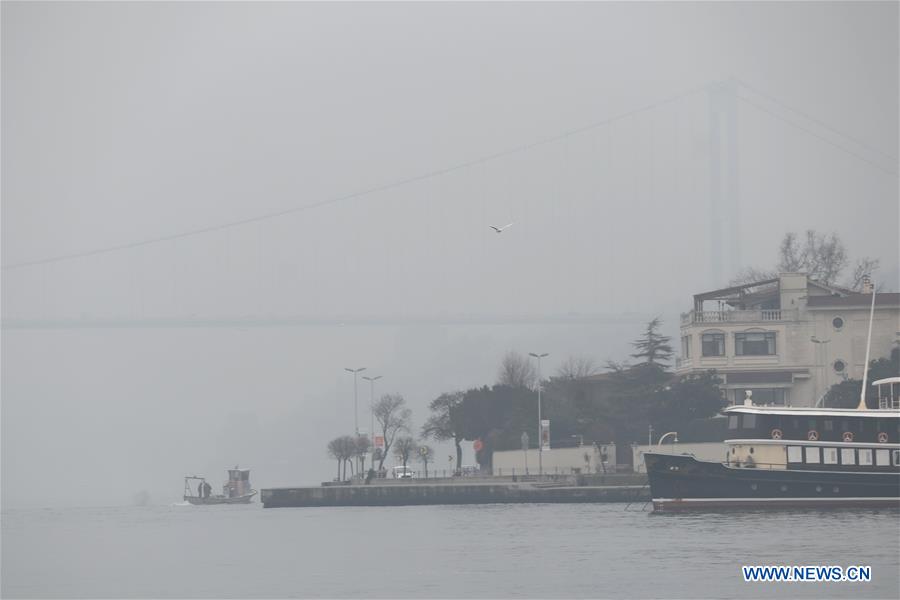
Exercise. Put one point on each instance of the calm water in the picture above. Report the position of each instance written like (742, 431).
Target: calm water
(543, 551)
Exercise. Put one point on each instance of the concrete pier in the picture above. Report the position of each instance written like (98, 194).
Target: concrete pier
(450, 493)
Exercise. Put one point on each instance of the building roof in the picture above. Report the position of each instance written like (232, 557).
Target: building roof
(855, 299)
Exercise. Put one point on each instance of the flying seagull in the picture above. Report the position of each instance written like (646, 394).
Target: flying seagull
(500, 229)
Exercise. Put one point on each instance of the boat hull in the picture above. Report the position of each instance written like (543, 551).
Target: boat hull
(681, 482)
(245, 499)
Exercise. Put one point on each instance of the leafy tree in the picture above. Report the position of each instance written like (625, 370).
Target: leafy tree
(403, 449)
(361, 446)
(517, 371)
(343, 449)
(846, 393)
(446, 422)
(392, 417)
(653, 347)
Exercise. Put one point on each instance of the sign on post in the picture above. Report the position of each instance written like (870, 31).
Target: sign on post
(379, 442)
(545, 434)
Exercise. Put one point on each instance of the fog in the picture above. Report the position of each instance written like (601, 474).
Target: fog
(209, 210)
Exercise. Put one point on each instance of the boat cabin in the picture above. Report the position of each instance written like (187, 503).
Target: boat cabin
(238, 483)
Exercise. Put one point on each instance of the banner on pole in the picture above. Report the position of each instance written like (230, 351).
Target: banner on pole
(379, 442)
(545, 434)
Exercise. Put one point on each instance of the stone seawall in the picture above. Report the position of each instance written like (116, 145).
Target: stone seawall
(422, 494)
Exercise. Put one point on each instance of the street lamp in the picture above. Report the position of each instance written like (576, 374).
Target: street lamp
(372, 381)
(540, 429)
(355, 401)
(822, 378)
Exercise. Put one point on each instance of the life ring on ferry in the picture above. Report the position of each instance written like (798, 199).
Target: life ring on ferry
(777, 434)
(882, 437)
(812, 435)
(848, 436)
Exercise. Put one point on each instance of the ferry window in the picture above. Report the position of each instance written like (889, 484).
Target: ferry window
(848, 456)
(795, 454)
(896, 457)
(754, 344)
(828, 425)
(882, 457)
(733, 422)
(712, 344)
(829, 456)
(812, 455)
(749, 421)
(811, 424)
(865, 456)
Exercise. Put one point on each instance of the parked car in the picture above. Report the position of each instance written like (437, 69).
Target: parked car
(402, 472)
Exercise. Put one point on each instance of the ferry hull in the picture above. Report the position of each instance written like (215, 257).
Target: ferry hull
(681, 482)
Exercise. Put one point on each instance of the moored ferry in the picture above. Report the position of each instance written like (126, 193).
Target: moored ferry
(784, 456)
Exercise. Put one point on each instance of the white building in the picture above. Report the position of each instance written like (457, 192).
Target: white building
(787, 340)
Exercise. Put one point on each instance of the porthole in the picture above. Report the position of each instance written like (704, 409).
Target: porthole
(818, 488)
(835, 489)
(753, 486)
(839, 366)
(837, 322)
(783, 488)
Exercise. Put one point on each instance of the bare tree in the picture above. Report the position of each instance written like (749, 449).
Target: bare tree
(577, 367)
(403, 449)
(821, 256)
(517, 371)
(425, 454)
(864, 267)
(392, 417)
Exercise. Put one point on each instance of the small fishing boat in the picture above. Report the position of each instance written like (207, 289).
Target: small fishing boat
(235, 491)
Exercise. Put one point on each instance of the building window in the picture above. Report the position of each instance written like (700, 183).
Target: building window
(754, 344)
(713, 344)
(762, 396)
(686, 346)
(839, 366)
(837, 322)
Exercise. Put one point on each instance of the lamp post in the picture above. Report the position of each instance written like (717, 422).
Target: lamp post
(820, 344)
(372, 381)
(355, 396)
(540, 429)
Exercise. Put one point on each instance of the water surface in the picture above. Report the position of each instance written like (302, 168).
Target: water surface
(546, 551)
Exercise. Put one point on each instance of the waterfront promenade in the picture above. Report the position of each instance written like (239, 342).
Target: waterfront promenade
(478, 491)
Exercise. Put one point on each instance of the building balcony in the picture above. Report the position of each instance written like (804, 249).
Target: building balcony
(695, 317)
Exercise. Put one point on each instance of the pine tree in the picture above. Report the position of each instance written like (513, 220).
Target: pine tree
(652, 347)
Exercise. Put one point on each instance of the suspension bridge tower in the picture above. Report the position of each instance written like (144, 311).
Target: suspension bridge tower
(724, 190)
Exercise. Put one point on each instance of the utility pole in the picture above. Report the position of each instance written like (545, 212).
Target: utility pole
(540, 424)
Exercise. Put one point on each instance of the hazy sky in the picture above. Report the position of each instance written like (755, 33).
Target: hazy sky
(124, 122)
